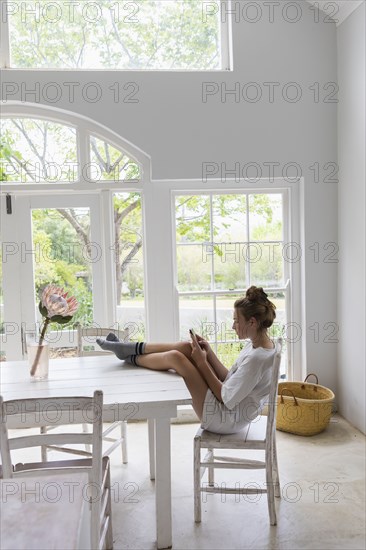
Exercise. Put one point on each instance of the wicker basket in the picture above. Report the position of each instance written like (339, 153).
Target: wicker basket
(303, 408)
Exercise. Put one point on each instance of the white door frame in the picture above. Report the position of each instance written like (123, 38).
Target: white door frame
(18, 252)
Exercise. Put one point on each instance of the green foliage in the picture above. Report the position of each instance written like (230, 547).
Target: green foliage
(229, 352)
(84, 296)
(128, 231)
(60, 241)
(112, 163)
(7, 149)
(226, 244)
(33, 148)
(143, 34)
(193, 218)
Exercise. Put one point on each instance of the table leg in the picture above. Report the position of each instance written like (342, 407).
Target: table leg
(151, 429)
(163, 483)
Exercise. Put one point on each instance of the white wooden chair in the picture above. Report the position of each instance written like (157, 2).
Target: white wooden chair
(71, 410)
(86, 346)
(259, 435)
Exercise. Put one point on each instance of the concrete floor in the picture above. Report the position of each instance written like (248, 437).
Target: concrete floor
(322, 504)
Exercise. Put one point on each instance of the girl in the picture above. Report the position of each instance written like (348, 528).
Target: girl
(225, 401)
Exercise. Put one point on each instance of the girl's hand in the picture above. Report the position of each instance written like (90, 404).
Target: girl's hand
(203, 344)
(199, 353)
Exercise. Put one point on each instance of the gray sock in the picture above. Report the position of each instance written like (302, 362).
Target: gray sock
(111, 337)
(133, 360)
(122, 349)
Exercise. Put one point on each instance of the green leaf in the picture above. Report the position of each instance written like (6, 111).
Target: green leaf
(42, 309)
(60, 319)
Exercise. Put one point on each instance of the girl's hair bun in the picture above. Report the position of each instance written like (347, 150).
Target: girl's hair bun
(256, 294)
(256, 304)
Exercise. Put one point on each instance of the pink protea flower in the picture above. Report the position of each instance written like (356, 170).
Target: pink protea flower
(55, 300)
(55, 307)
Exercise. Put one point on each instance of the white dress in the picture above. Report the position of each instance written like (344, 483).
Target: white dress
(244, 392)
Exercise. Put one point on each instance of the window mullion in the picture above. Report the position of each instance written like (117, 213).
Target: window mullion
(108, 248)
(285, 232)
(226, 38)
(247, 259)
(213, 285)
(4, 35)
(83, 144)
(158, 251)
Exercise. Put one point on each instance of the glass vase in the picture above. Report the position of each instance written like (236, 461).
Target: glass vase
(41, 369)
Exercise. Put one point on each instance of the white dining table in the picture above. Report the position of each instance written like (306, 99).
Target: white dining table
(129, 393)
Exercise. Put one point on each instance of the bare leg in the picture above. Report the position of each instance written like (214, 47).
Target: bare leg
(183, 347)
(122, 350)
(177, 360)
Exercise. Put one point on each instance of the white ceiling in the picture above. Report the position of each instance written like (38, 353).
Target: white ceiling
(345, 7)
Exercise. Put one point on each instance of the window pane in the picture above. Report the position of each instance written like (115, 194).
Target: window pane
(194, 268)
(224, 340)
(109, 163)
(279, 327)
(37, 151)
(219, 223)
(228, 353)
(128, 250)
(229, 218)
(266, 264)
(115, 34)
(62, 256)
(230, 230)
(193, 219)
(265, 217)
(224, 317)
(195, 312)
(230, 266)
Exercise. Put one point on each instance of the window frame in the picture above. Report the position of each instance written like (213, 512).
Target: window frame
(225, 45)
(102, 191)
(85, 127)
(214, 293)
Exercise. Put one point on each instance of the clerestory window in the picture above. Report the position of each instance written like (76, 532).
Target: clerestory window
(115, 34)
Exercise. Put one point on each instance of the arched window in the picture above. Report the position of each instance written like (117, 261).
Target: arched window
(40, 150)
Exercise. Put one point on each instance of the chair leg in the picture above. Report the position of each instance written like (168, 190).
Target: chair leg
(211, 474)
(276, 475)
(109, 535)
(95, 523)
(43, 430)
(270, 489)
(124, 442)
(197, 479)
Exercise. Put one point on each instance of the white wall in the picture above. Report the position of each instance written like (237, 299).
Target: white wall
(180, 132)
(351, 214)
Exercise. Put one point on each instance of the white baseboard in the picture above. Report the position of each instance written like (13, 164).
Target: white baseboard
(186, 415)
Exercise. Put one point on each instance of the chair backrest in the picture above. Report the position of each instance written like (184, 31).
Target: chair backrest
(63, 411)
(272, 404)
(53, 411)
(86, 339)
